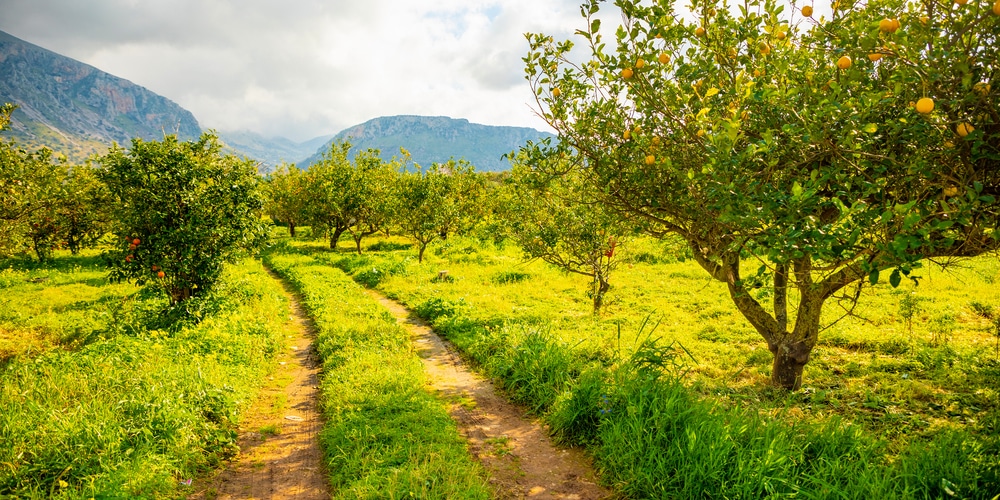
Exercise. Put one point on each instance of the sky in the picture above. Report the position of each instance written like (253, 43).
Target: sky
(305, 68)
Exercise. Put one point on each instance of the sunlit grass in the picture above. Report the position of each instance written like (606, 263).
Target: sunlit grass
(921, 395)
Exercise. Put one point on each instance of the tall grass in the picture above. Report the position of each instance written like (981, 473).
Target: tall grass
(385, 436)
(138, 410)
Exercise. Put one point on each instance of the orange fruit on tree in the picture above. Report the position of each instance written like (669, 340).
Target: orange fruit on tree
(136, 242)
(888, 25)
(627, 73)
(556, 92)
(780, 34)
(627, 134)
(874, 56)
(664, 58)
(925, 105)
(640, 63)
(700, 133)
(961, 2)
(996, 7)
(844, 62)
(699, 31)
(128, 258)
(765, 49)
(160, 274)
(650, 159)
(964, 129)
(807, 11)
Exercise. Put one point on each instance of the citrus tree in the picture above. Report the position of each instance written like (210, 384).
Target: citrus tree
(557, 219)
(798, 156)
(287, 196)
(182, 209)
(375, 183)
(436, 202)
(29, 186)
(333, 197)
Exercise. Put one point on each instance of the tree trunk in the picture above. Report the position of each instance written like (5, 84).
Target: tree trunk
(602, 288)
(335, 238)
(420, 253)
(357, 242)
(291, 229)
(789, 360)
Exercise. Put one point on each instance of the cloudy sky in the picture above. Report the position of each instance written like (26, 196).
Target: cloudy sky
(304, 68)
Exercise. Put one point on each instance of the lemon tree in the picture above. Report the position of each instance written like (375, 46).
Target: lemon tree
(786, 148)
(287, 196)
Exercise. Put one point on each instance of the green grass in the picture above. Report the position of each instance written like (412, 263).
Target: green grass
(885, 412)
(385, 435)
(134, 406)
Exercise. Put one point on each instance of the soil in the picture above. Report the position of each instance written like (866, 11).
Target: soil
(278, 437)
(522, 461)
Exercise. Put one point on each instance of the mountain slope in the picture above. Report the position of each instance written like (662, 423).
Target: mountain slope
(435, 139)
(270, 151)
(77, 109)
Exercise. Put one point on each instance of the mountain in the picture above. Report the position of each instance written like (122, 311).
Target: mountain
(77, 109)
(270, 151)
(435, 139)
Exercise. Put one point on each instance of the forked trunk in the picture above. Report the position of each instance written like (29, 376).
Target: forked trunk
(602, 288)
(357, 242)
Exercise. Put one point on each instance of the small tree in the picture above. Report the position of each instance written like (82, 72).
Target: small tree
(333, 196)
(436, 202)
(375, 183)
(182, 210)
(557, 220)
(82, 212)
(783, 148)
(287, 196)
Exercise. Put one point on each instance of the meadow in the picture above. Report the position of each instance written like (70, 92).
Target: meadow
(106, 390)
(668, 386)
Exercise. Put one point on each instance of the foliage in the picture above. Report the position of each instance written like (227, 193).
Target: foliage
(742, 134)
(437, 202)
(183, 210)
(556, 220)
(376, 184)
(287, 196)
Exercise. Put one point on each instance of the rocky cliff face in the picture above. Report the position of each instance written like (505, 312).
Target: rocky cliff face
(436, 139)
(76, 109)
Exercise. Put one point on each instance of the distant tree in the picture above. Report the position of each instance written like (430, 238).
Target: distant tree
(182, 210)
(29, 185)
(83, 210)
(783, 148)
(436, 202)
(287, 196)
(556, 219)
(375, 183)
(333, 197)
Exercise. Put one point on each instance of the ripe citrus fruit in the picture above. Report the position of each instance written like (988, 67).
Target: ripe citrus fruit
(807, 11)
(556, 92)
(640, 63)
(844, 62)
(699, 31)
(874, 56)
(160, 274)
(925, 105)
(664, 58)
(996, 7)
(780, 35)
(650, 159)
(961, 2)
(765, 49)
(888, 25)
(627, 73)
(627, 134)
(964, 129)
(136, 242)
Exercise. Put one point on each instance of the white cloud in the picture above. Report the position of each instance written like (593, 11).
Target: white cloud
(308, 67)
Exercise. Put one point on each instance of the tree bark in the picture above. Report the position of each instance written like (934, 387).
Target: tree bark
(335, 238)
(602, 287)
(291, 229)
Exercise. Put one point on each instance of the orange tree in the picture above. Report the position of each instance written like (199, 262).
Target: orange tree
(181, 209)
(287, 196)
(784, 147)
(436, 202)
(375, 182)
(333, 196)
(556, 219)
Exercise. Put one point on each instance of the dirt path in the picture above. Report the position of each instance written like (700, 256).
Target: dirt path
(279, 450)
(521, 460)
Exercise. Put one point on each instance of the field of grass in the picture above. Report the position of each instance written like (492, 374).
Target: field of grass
(386, 436)
(106, 391)
(668, 387)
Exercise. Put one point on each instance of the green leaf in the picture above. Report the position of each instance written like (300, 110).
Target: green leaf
(595, 26)
(871, 128)
(895, 278)
(873, 277)
(796, 189)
